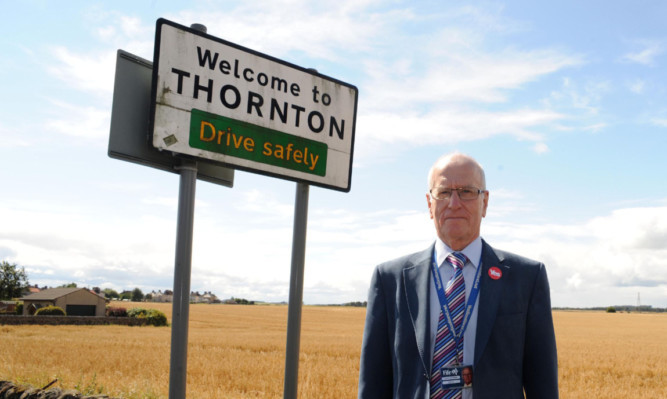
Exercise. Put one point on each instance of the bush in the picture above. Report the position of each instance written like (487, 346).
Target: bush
(50, 311)
(137, 312)
(19, 309)
(154, 317)
(611, 309)
(113, 311)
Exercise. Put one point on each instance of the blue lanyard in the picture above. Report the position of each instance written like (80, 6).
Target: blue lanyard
(443, 300)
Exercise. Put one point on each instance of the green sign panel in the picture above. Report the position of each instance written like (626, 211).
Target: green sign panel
(215, 133)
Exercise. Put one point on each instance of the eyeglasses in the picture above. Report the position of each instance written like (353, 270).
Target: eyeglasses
(465, 193)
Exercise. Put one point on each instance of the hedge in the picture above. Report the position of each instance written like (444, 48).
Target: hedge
(50, 311)
(72, 320)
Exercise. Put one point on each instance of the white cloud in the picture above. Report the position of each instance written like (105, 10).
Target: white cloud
(662, 122)
(81, 121)
(595, 128)
(94, 71)
(263, 203)
(649, 51)
(540, 148)
(573, 95)
(589, 264)
(503, 193)
(637, 86)
(455, 125)
(634, 229)
(10, 138)
(66, 241)
(319, 29)
(458, 75)
(599, 261)
(412, 92)
(88, 72)
(408, 72)
(170, 203)
(575, 281)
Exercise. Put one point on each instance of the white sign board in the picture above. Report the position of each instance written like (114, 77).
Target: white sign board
(216, 100)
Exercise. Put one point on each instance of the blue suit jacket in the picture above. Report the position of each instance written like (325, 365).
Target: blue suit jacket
(515, 346)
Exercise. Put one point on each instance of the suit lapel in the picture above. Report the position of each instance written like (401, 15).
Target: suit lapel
(416, 280)
(489, 299)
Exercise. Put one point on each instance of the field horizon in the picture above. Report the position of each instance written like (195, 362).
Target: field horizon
(229, 346)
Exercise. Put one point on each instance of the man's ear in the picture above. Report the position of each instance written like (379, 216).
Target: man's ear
(429, 204)
(486, 203)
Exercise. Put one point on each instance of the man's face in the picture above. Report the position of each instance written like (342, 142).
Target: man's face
(457, 221)
(467, 376)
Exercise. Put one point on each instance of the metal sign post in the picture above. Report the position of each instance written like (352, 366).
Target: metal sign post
(180, 317)
(182, 272)
(296, 291)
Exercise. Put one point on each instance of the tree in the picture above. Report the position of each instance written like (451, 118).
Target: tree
(110, 293)
(70, 285)
(137, 295)
(13, 280)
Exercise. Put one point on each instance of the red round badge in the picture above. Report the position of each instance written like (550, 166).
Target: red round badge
(495, 273)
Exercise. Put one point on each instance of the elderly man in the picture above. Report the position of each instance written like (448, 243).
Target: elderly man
(459, 304)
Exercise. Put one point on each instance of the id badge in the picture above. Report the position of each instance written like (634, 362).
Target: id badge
(456, 377)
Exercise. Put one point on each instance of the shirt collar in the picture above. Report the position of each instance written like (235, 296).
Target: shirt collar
(473, 251)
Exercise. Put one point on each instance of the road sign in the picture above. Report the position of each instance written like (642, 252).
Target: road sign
(218, 101)
(130, 114)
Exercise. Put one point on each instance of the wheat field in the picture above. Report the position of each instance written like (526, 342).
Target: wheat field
(239, 352)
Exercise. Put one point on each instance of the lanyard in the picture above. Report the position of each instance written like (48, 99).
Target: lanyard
(443, 300)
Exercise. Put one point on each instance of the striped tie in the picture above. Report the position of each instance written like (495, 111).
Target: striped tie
(445, 352)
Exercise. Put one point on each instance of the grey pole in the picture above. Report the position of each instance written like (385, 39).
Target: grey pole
(178, 365)
(296, 291)
(182, 271)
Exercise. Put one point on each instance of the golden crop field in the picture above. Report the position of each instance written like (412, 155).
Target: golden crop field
(611, 355)
(239, 352)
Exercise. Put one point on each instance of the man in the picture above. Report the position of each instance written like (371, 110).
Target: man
(504, 331)
(467, 376)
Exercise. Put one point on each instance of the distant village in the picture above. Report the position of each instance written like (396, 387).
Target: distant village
(137, 295)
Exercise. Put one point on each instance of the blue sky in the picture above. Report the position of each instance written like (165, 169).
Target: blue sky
(564, 104)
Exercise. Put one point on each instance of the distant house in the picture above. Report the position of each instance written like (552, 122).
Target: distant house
(208, 297)
(195, 297)
(160, 296)
(30, 290)
(74, 301)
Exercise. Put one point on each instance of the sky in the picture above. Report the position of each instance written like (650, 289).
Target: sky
(563, 103)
